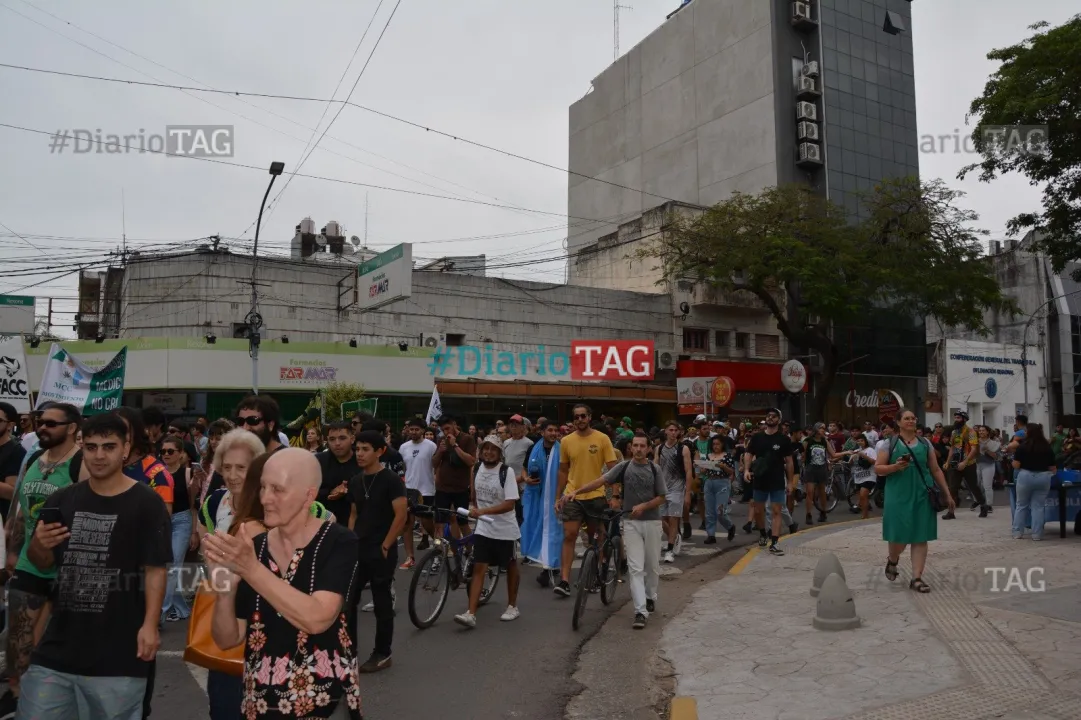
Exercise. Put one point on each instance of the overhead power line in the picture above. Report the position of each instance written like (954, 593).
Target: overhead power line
(373, 111)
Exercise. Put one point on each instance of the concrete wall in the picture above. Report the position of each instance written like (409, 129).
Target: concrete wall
(200, 293)
(687, 115)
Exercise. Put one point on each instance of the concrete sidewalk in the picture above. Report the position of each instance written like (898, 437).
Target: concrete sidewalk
(984, 643)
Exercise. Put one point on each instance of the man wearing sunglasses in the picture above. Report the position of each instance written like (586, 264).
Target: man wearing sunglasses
(259, 415)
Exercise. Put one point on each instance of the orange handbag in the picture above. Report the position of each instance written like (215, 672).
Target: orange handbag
(201, 649)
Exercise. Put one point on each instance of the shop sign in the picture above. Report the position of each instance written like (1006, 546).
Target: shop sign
(308, 373)
(793, 376)
(887, 401)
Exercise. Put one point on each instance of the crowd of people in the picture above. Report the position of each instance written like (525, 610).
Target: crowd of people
(101, 513)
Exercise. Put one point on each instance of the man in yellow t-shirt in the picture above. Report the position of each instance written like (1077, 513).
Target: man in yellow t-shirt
(584, 455)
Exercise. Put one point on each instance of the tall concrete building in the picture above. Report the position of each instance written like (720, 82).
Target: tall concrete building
(740, 95)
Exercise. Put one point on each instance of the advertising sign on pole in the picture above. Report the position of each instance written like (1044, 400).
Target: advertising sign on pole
(386, 277)
(17, 314)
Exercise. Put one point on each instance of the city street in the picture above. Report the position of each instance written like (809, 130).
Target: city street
(520, 670)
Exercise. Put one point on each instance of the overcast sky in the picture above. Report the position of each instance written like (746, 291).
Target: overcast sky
(501, 73)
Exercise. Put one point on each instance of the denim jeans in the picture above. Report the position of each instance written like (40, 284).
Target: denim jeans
(225, 693)
(1031, 490)
(717, 492)
(174, 599)
(50, 695)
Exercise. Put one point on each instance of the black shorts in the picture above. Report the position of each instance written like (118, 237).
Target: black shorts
(817, 475)
(499, 553)
(453, 501)
(31, 584)
(413, 497)
(575, 512)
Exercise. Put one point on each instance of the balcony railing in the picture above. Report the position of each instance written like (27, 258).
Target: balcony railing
(709, 295)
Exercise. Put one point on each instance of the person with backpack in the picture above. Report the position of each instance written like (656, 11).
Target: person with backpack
(644, 492)
(674, 459)
(56, 465)
(493, 496)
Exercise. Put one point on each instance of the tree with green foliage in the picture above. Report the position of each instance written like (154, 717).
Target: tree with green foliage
(336, 393)
(815, 269)
(1038, 83)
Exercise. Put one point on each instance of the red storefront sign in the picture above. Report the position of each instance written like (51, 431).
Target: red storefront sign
(749, 377)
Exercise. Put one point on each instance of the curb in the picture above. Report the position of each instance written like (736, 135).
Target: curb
(740, 566)
(683, 708)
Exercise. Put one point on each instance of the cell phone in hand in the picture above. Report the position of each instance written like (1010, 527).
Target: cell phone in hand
(50, 515)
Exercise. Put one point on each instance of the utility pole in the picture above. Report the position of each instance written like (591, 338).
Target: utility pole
(49, 320)
(254, 319)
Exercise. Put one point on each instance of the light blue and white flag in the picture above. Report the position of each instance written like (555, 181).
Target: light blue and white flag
(542, 532)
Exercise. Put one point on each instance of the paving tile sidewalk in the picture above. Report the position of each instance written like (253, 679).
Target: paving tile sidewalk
(984, 643)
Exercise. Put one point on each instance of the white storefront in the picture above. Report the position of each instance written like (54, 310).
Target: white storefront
(987, 380)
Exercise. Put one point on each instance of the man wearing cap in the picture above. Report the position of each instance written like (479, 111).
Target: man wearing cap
(515, 452)
(626, 428)
(964, 446)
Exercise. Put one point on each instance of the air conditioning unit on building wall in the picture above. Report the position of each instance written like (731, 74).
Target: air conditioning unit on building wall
(810, 69)
(666, 359)
(802, 14)
(807, 86)
(806, 111)
(807, 131)
(810, 154)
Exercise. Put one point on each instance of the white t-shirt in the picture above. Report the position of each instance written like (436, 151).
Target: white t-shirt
(28, 441)
(489, 493)
(872, 437)
(223, 518)
(419, 474)
(861, 474)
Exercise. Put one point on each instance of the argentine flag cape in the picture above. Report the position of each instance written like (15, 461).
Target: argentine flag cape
(542, 533)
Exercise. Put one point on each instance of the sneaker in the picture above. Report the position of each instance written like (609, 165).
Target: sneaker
(822, 516)
(424, 544)
(731, 533)
(563, 589)
(376, 662)
(370, 607)
(639, 621)
(702, 525)
(686, 530)
(173, 616)
(775, 550)
(949, 516)
(793, 528)
(543, 579)
(990, 509)
(762, 541)
(678, 546)
(809, 521)
(748, 528)
(8, 706)
(466, 619)
(975, 505)
(854, 509)
(710, 540)
(580, 553)
(983, 511)
(668, 557)
(408, 564)
(650, 606)
(510, 614)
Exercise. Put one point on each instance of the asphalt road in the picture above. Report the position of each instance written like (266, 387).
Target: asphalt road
(522, 669)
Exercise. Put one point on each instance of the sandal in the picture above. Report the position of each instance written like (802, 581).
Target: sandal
(919, 585)
(891, 569)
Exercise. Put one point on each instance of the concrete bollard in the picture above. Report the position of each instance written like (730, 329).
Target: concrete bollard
(827, 564)
(836, 609)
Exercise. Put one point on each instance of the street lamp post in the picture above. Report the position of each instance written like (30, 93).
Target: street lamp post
(254, 319)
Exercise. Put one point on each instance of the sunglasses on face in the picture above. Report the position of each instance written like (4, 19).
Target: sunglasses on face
(168, 451)
(53, 423)
(581, 417)
(251, 420)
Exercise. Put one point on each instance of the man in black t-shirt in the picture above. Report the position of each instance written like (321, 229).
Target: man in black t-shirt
(378, 518)
(768, 464)
(338, 466)
(109, 541)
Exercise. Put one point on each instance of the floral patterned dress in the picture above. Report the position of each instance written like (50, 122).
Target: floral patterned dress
(288, 673)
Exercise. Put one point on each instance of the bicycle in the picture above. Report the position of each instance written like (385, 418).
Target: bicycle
(447, 566)
(603, 564)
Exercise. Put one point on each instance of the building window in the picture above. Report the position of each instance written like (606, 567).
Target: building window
(695, 339)
(455, 340)
(722, 339)
(741, 341)
(767, 346)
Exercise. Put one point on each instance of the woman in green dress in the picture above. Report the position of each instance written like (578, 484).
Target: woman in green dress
(909, 463)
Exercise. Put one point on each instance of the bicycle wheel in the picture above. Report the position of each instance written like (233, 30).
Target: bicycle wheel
(832, 491)
(611, 572)
(585, 582)
(491, 582)
(428, 589)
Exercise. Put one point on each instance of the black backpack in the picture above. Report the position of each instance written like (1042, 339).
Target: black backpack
(689, 444)
(502, 473)
(623, 471)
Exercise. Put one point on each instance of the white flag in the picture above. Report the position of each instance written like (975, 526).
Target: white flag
(435, 408)
(14, 383)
